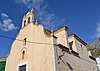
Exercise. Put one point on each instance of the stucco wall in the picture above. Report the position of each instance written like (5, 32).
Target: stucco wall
(82, 50)
(69, 62)
(74, 48)
(36, 54)
(79, 47)
(62, 38)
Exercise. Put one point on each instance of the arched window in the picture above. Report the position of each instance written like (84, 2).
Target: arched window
(29, 20)
(25, 23)
(23, 54)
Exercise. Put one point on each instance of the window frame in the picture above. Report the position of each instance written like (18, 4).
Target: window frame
(21, 68)
(21, 64)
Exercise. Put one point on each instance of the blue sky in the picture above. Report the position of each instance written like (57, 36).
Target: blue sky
(81, 16)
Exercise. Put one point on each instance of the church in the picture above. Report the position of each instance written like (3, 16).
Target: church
(37, 49)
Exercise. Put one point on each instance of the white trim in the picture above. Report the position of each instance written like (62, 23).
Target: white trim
(21, 64)
(53, 54)
(53, 41)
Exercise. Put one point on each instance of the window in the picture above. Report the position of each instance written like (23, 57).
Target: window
(22, 68)
(25, 23)
(62, 50)
(29, 20)
(70, 45)
(23, 54)
(24, 41)
(81, 47)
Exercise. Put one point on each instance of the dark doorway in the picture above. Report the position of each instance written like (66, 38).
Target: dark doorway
(22, 68)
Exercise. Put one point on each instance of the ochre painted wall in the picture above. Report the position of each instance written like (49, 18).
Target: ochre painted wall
(35, 54)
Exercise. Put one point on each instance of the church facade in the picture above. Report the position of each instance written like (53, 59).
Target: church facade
(38, 49)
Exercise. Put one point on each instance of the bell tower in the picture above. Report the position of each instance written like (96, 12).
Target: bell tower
(28, 18)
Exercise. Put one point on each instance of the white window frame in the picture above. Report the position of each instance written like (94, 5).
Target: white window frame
(21, 64)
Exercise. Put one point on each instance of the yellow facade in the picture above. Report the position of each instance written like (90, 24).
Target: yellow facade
(37, 48)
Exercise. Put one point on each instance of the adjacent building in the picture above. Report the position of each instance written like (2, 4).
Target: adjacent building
(2, 63)
(94, 48)
(38, 49)
(98, 63)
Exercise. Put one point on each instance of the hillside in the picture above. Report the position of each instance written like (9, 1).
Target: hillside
(94, 47)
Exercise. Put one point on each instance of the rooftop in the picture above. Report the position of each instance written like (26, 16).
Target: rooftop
(3, 59)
